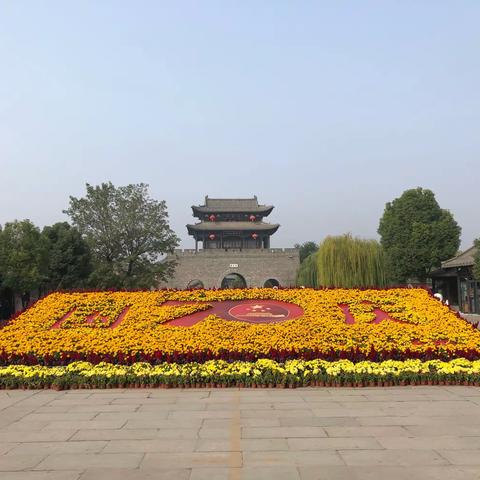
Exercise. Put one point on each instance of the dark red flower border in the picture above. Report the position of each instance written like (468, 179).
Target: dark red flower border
(354, 355)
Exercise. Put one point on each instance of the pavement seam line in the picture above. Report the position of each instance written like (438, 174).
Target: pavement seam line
(235, 439)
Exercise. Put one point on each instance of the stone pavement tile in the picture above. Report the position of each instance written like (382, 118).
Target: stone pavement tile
(26, 426)
(99, 408)
(431, 443)
(392, 457)
(119, 434)
(319, 422)
(325, 399)
(278, 396)
(244, 422)
(36, 436)
(287, 405)
(361, 410)
(48, 448)
(358, 399)
(462, 391)
(461, 457)
(334, 443)
(72, 401)
(16, 394)
(109, 395)
(68, 461)
(444, 472)
(18, 410)
(80, 393)
(282, 432)
(233, 405)
(215, 473)
(164, 423)
(190, 394)
(261, 422)
(246, 444)
(276, 413)
(37, 400)
(12, 414)
(154, 445)
(177, 433)
(142, 401)
(19, 462)
(191, 460)
(225, 432)
(126, 416)
(331, 404)
(52, 417)
(200, 414)
(347, 392)
(361, 431)
(291, 458)
(84, 425)
(269, 473)
(46, 475)
(49, 409)
(135, 474)
(406, 420)
(413, 397)
(6, 447)
(443, 430)
(255, 473)
(173, 407)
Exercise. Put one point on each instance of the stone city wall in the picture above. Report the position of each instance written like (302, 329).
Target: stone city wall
(255, 266)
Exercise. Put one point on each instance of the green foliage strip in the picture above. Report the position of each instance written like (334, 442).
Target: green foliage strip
(349, 262)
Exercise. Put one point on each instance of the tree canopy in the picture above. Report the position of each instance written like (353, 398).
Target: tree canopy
(22, 257)
(307, 272)
(128, 233)
(348, 262)
(68, 263)
(417, 235)
(306, 249)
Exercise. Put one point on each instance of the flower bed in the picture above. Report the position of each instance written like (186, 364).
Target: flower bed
(125, 327)
(262, 373)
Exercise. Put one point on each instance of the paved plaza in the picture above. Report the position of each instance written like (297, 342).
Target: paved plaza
(309, 434)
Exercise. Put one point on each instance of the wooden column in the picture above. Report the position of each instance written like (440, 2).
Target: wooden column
(460, 300)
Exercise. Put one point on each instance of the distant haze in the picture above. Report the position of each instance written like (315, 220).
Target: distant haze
(326, 110)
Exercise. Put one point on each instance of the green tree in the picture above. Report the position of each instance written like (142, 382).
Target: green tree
(22, 258)
(476, 266)
(69, 261)
(306, 249)
(349, 262)
(128, 233)
(417, 235)
(307, 272)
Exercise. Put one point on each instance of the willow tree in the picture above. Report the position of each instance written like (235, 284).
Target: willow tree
(307, 272)
(348, 262)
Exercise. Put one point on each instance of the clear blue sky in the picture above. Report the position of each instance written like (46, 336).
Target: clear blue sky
(325, 109)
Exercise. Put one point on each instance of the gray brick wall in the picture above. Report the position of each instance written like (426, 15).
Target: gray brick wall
(256, 266)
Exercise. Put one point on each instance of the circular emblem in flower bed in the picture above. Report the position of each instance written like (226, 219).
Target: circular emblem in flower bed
(260, 312)
(251, 311)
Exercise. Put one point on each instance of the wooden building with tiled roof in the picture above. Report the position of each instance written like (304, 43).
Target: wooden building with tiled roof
(232, 223)
(456, 282)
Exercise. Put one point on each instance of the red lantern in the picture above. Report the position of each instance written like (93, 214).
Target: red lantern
(254, 236)
(252, 218)
(211, 236)
(212, 217)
